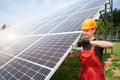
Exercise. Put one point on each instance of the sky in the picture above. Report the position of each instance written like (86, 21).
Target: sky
(21, 11)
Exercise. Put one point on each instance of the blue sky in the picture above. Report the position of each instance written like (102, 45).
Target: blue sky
(20, 11)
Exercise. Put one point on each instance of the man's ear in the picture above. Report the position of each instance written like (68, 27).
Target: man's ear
(94, 30)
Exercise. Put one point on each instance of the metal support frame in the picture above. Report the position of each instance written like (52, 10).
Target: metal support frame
(104, 19)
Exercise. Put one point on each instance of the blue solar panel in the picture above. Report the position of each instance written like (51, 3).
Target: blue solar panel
(20, 45)
(19, 69)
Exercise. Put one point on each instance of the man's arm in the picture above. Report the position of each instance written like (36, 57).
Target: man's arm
(102, 44)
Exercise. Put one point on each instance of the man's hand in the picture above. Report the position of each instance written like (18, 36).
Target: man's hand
(73, 48)
(76, 48)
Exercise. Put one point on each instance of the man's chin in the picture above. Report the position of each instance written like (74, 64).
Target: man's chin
(86, 37)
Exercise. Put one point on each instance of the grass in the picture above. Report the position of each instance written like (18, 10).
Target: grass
(109, 72)
(69, 70)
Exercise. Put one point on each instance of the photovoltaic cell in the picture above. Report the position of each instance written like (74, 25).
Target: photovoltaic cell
(4, 58)
(74, 22)
(72, 8)
(18, 69)
(20, 45)
(31, 28)
(49, 50)
(50, 25)
(41, 46)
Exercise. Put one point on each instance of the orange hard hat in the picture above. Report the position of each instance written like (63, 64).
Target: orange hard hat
(89, 23)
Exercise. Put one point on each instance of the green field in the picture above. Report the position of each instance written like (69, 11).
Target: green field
(69, 70)
(113, 71)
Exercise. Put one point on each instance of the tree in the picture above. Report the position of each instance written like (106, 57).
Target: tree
(109, 26)
(116, 16)
(4, 26)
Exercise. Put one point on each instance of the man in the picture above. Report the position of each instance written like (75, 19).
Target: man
(91, 55)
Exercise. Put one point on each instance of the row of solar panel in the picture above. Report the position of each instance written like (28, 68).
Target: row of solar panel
(46, 51)
(42, 46)
(19, 69)
(79, 6)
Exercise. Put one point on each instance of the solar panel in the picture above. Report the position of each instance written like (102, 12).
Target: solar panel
(20, 45)
(4, 58)
(37, 49)
(42, 51)
(19, 69)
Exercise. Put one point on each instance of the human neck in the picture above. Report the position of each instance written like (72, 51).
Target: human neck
(92, 38)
